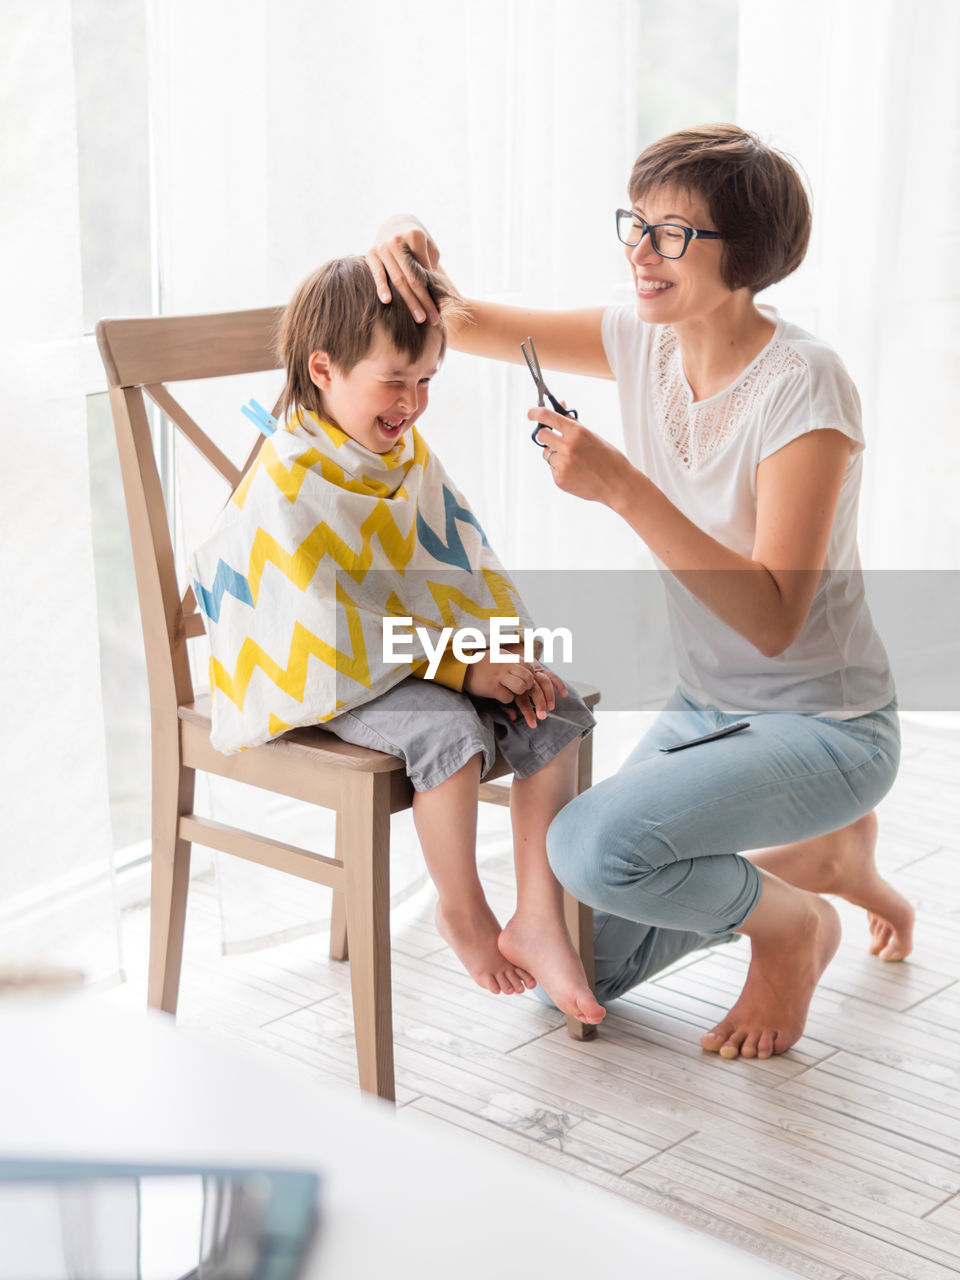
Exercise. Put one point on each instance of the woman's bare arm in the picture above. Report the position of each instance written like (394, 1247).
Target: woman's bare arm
(570, 341)
(566, 340)
(766, 596)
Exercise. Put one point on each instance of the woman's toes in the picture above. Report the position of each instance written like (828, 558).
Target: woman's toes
(716, 1037)
(766, 1044)
(893, 952)
(748, 1048)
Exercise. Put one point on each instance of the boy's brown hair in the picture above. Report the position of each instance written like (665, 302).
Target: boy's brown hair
(754, 194)
(337, 310)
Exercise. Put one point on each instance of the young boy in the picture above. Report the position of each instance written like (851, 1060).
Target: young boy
(349, 485)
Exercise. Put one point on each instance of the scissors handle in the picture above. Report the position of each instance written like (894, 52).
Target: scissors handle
(533, 364)
(557, 408)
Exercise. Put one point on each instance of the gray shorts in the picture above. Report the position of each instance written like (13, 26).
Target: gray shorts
(435, 731)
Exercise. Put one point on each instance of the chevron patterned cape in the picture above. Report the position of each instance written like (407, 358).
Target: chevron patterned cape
(321, 540)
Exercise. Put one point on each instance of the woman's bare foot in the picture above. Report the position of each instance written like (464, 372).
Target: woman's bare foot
(473, 936)
(542, 945)
(843, 863)
(792, 944)
(887, 940)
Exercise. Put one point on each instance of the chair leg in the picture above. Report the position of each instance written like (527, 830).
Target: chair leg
(579, 917)
(173, 789)
(365, 850)
(338, 927)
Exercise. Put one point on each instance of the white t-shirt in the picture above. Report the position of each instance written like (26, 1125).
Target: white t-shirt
(704, 455)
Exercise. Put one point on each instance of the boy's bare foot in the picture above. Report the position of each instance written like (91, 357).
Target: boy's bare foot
(542, 945)
(843, 863)
(473, 936)
(785, 966)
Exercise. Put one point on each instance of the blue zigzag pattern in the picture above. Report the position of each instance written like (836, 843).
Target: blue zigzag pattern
(452, 551)
(227, 580)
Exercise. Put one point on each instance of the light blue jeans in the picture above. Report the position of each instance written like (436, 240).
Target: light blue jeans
(656, 849)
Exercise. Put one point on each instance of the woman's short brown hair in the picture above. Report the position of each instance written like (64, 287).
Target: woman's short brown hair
(754, 194)
(337, 310)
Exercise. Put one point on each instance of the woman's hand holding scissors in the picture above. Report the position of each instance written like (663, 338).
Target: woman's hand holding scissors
(582, 463)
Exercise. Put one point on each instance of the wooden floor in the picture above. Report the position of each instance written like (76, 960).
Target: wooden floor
(839, 1159)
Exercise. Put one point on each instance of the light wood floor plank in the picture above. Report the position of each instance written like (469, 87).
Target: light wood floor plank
(860, 1253)
(899, 1155)
(675, 1207)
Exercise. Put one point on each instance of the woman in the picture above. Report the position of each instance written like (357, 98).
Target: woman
(743, 438)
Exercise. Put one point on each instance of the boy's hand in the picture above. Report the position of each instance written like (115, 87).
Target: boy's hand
(396, 241)
(531, 688)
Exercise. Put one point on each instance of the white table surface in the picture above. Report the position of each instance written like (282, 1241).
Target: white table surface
(400, 1198)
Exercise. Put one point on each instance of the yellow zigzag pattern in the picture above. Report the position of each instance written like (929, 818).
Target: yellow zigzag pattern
(275, 725)
(290, 482)
(501, 589)
(292, 678)
(301, 565)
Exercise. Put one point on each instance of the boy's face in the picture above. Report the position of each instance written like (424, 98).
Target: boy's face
(382, 396)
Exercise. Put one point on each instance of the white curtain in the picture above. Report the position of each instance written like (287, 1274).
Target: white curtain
(864, 93)
(57, 901)
(286, 132)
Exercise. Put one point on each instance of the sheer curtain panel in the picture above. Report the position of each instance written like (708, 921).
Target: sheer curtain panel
(865, 94)
(57, 901)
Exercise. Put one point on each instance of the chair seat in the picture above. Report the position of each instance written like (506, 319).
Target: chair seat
(315, 744)
(307, 743)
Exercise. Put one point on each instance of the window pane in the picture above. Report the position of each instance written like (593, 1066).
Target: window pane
(688, 65)
(110, 63)
(126, 702)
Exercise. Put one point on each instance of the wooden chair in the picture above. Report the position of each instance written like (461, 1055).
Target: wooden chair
(363, 787)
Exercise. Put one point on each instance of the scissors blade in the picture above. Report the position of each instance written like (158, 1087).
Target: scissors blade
(533, 364)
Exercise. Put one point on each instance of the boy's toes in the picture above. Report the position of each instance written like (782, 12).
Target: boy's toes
(511, 981)
(588, 1010)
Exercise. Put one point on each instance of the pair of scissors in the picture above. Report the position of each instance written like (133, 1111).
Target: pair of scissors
(533, 364)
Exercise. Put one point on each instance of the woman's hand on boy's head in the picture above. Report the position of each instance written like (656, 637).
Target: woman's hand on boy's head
(397, 240)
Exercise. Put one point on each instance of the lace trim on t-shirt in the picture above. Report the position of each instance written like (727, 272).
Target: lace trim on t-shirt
(692, 433)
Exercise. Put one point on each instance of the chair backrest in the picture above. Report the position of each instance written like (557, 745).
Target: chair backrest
(140, 356)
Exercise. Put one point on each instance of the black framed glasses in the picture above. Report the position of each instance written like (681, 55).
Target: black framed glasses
(669, 239)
